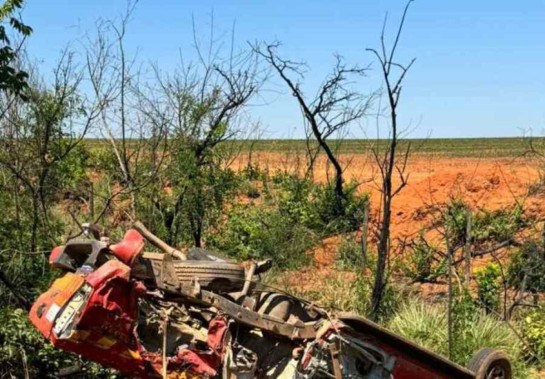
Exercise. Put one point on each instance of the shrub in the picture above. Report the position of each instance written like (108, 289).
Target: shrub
(456, 222)
(349, 255)
(294, 199)
(499, 225)
(256, 233)
(293, 214)
(533, 330)
(316, 206)
(254, 172)
(328, 212)
(528, 261)
(103, 159)
(424, 263)
(69, 172)
(488, 287)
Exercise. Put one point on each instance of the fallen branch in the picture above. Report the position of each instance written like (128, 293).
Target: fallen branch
(157, 242)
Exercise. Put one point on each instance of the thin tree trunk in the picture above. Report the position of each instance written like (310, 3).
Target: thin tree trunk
(449, 306)
(339, 180)
(467, 250)
(384, 236)
(35, 220)
(364, 230)
(387, 163)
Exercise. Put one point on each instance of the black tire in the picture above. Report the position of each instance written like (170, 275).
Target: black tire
(218, 276)
(490, 364)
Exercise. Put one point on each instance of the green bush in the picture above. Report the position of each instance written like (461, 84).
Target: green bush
(489, 287)
(316, 206)
(528, 261)
(349, 255)
(69, 172)
(293, 215)
(500, 225)
(256, 233)
(103, 159)
(254, 172)
(294, 198)
(486, 226)
(333, 220)
(455, 221)
(194, 203)
(533, 330)
(424, 263)
(25, 267)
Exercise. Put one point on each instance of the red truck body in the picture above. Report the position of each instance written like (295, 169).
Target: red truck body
(96, 314)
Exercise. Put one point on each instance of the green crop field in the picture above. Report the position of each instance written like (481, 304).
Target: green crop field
(455, 147)
(460, 147)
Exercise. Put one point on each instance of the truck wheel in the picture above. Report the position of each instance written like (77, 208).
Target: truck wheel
(490, 364)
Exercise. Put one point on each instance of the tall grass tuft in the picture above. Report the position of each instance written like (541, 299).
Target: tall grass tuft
(423, 324)
(426, 325)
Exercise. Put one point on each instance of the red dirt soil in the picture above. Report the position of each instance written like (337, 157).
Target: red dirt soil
(483, 183)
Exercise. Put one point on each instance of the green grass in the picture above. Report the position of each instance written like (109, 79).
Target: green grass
(454, 147)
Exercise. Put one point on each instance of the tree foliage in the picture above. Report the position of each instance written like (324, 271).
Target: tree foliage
(12, 78)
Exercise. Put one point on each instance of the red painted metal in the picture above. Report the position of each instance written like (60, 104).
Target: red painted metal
(129, 247)
(104, 329)
(412, 361)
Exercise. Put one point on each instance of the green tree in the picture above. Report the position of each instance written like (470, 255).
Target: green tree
(12, 78)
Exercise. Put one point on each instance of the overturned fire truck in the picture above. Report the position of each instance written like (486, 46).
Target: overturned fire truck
(177, 315)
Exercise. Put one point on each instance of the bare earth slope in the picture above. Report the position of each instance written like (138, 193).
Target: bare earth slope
(484, 183)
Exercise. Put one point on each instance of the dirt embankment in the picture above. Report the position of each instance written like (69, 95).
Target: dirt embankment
(483, 183)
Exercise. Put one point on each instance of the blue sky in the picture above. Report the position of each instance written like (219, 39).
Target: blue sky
(478, 71)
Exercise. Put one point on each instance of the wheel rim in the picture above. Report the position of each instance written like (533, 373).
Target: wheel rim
(497, 372)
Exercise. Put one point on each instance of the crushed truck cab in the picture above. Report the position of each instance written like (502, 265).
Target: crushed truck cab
(95, 316)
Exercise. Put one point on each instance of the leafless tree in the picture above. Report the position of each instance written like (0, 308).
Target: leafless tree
(334, 107)
(123, 123)
(387, 160)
